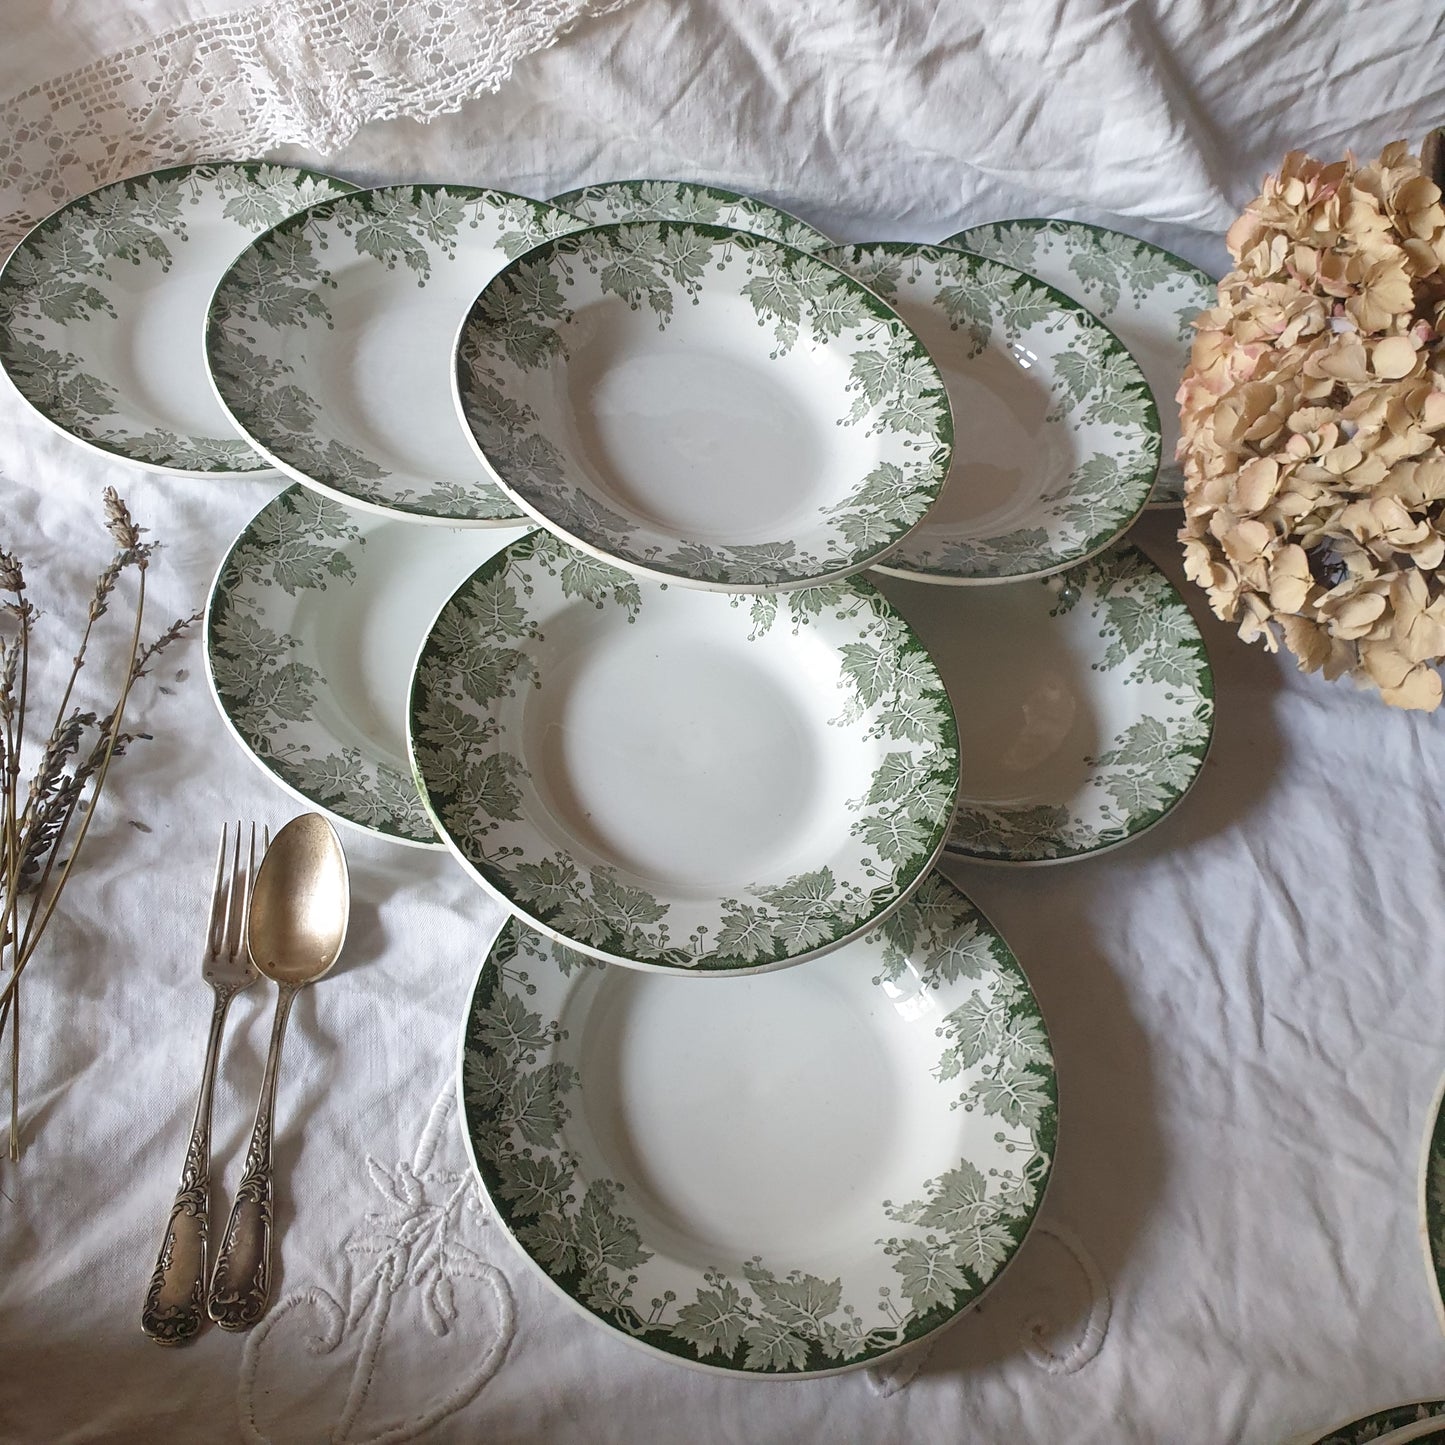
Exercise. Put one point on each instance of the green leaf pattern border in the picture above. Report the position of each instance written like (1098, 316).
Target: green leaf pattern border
(1149, 641)
(648, 200)
(266, 689)
(1097, 389)
(944, 1248)
(1432, 1202)
(1379, 1423)
(57, 277)
(280, 283)
(1111, 269)
(468, 777)
(517, 328)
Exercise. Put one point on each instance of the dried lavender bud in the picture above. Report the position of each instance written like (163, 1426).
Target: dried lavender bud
(118, 522)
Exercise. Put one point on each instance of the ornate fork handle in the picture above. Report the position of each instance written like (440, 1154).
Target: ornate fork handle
(175, 1302)
(241, 1284)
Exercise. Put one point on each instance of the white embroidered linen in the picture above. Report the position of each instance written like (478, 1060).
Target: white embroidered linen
(1246, 1005)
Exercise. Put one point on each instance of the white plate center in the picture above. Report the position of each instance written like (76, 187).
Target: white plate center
(763, 1115)
(1022, 691)
(692, 430)
(384, 373)
(682, 760)
(1007, 458)
(366, 634)
(154, 351)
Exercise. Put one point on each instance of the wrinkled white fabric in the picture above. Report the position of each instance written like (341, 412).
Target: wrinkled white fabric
(1247, 1004)
(236, 82)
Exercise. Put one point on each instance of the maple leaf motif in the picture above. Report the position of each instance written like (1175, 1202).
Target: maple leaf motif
(412, 1240)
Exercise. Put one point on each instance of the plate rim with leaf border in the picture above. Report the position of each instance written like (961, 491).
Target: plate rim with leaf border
(233, 392)
(1431, 1201)
(1351, 1431)
(1122, 559)
(1051, 310)
(908, 407)
(930, 929)
(348, 529)
(794, 225)
(42, 228)
(1170, 477)
(770, 923)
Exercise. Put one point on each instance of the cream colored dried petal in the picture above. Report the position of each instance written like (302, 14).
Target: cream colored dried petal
(1304, 262)
(1383, 518)
(1402, 683)
(1394, 357)
(1294, 505)
(1355, 616)
(1419, 692)
(1244, 233)
(1254, 625)
(1368, 472)
(1420, 640)
(1385, 293)
(1390, 448)
(1312, 417)
(1289, 578)
(1343, 459)
(1409, 596)
(1311, 644)
(1422, 255)
(1414, 207)
(1245, 540)
(1339, 273)
(1429, 554)
(1343, 359)
(1199, 563)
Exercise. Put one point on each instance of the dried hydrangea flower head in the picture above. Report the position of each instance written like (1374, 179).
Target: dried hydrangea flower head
(1313, 424)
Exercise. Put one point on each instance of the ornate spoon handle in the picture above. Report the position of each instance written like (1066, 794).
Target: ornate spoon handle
(175, 1302)
(241, 1283)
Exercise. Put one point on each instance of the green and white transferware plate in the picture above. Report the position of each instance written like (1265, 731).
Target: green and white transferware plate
(792, 1175)
(1382, 1426)
(312, 628)
(704, 405)
(1431, 1428)
(330, 343)
(1147, 296)
(1057, 438)
(685, 201)
(679, 779)
(1085, 705)
(103, 307)
(1432, 1202)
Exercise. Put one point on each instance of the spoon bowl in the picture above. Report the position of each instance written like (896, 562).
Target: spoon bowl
(301, 903)
(300, 907)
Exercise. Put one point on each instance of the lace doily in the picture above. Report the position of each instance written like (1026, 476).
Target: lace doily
(282, 72)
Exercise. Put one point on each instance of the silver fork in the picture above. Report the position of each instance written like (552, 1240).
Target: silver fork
(175, 1302)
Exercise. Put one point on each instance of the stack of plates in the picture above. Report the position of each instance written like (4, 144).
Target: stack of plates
(569, 579)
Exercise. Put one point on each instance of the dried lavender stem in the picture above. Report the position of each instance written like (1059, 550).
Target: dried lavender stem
(69, 777)
(32, 930)
(77, 662)
(15, 734)
(15, 1072)
(10, 916)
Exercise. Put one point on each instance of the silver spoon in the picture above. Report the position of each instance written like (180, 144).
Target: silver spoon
(299, 910)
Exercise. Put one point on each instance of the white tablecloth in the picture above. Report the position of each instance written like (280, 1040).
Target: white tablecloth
(1246, 1005)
